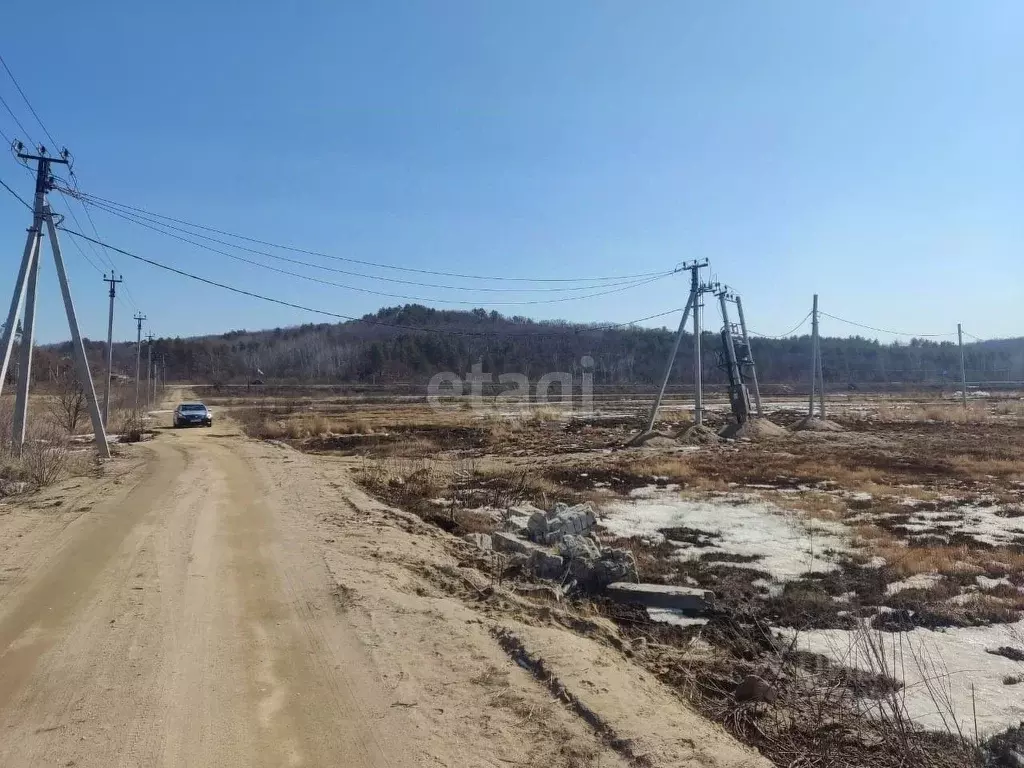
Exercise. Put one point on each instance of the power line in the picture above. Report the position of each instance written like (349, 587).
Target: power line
(884, 330)
(92, 223)
(405, 297)
(96, 199)
(153, 223)
(28, 103)
(338, 315)
(15, 118)
(17, 197)
(788, 333)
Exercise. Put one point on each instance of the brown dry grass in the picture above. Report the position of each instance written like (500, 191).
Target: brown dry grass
(945, 412)
(973, 467)
(815, 504)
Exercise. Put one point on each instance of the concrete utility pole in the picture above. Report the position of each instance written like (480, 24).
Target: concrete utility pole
(150, 391)
(27, 284)
(139, 317)
(815, 362)
(692, 302)
(698, 372)
(963, 367)
(110, 345)
(750, 353)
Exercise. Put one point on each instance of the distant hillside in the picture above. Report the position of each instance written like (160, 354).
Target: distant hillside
(372, 352)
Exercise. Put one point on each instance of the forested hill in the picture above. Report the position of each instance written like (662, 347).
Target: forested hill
(376, 350)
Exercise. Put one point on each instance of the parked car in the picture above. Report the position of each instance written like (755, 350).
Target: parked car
(192, 415)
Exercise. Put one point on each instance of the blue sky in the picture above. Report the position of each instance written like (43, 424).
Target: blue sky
(869, 151)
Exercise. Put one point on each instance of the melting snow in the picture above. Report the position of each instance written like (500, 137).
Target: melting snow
(787, 545)
(938, 669)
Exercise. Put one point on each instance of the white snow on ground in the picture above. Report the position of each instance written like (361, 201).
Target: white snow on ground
(938, 669)
(981, 523)
(917, 581)
(786, 544)
(674, 617)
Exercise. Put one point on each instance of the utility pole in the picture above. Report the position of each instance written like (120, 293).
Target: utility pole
(815, 364)
(692, 301)
(25, 290)
(963, 367)
(750, 353)
(110, 344)
(698, 373)
(139, 317)
(150, 391)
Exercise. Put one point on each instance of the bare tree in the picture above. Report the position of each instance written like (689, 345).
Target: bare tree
(68, 407)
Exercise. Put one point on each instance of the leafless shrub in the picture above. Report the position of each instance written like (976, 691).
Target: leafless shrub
(68, 405)
(131, 427)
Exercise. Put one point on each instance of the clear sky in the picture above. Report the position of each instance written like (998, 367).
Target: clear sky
(869, 150)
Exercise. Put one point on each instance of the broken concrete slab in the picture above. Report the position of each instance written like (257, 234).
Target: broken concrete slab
(480, 540)
(662, 596)
(511, 544)
(550, 527)
(538, 560)
(615, 565)
(546, 565)
(576, 547)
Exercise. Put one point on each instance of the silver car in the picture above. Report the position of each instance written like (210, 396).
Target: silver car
(192, 415)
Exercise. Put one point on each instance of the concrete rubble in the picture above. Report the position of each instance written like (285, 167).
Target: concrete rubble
(685, 599)
(550, 527)
(561, 548)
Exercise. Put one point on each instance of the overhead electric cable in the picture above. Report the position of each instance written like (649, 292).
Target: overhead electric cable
(337, 315)
(884, 330)
(96, 199)
(28, 103)
(788, 333)
(10, 111)
(404, 297)
(17, 197)
(153, 223)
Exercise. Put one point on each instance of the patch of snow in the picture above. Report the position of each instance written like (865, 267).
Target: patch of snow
(917, 581)
(981, 522)
(675, 618)
(986, 583)
(946, 674)
(787, 547)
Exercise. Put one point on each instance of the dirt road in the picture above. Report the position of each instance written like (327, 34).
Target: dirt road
(214, 601)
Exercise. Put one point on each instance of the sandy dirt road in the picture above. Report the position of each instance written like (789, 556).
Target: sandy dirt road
(211, 600)
(169, 626)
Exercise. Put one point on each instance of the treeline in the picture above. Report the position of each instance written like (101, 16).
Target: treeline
(385, 350)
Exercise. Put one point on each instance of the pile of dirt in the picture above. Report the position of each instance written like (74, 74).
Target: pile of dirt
(698, 435)
(816, 424)
(654, 438)
(754, 429)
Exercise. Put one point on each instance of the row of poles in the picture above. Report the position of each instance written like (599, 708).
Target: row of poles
(139, 319)
(25, 290)
(740, 365)
(818, 378)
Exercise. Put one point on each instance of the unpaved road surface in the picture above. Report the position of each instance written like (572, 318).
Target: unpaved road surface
(214, 601)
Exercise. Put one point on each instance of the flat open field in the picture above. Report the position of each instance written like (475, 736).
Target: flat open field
(871, 574)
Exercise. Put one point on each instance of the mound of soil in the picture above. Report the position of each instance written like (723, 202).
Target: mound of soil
(698, 435)
(816, 424)
(660, 441)
(654, 439)
(755, 429)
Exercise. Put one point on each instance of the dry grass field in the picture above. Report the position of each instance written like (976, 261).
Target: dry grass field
(874, 575)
